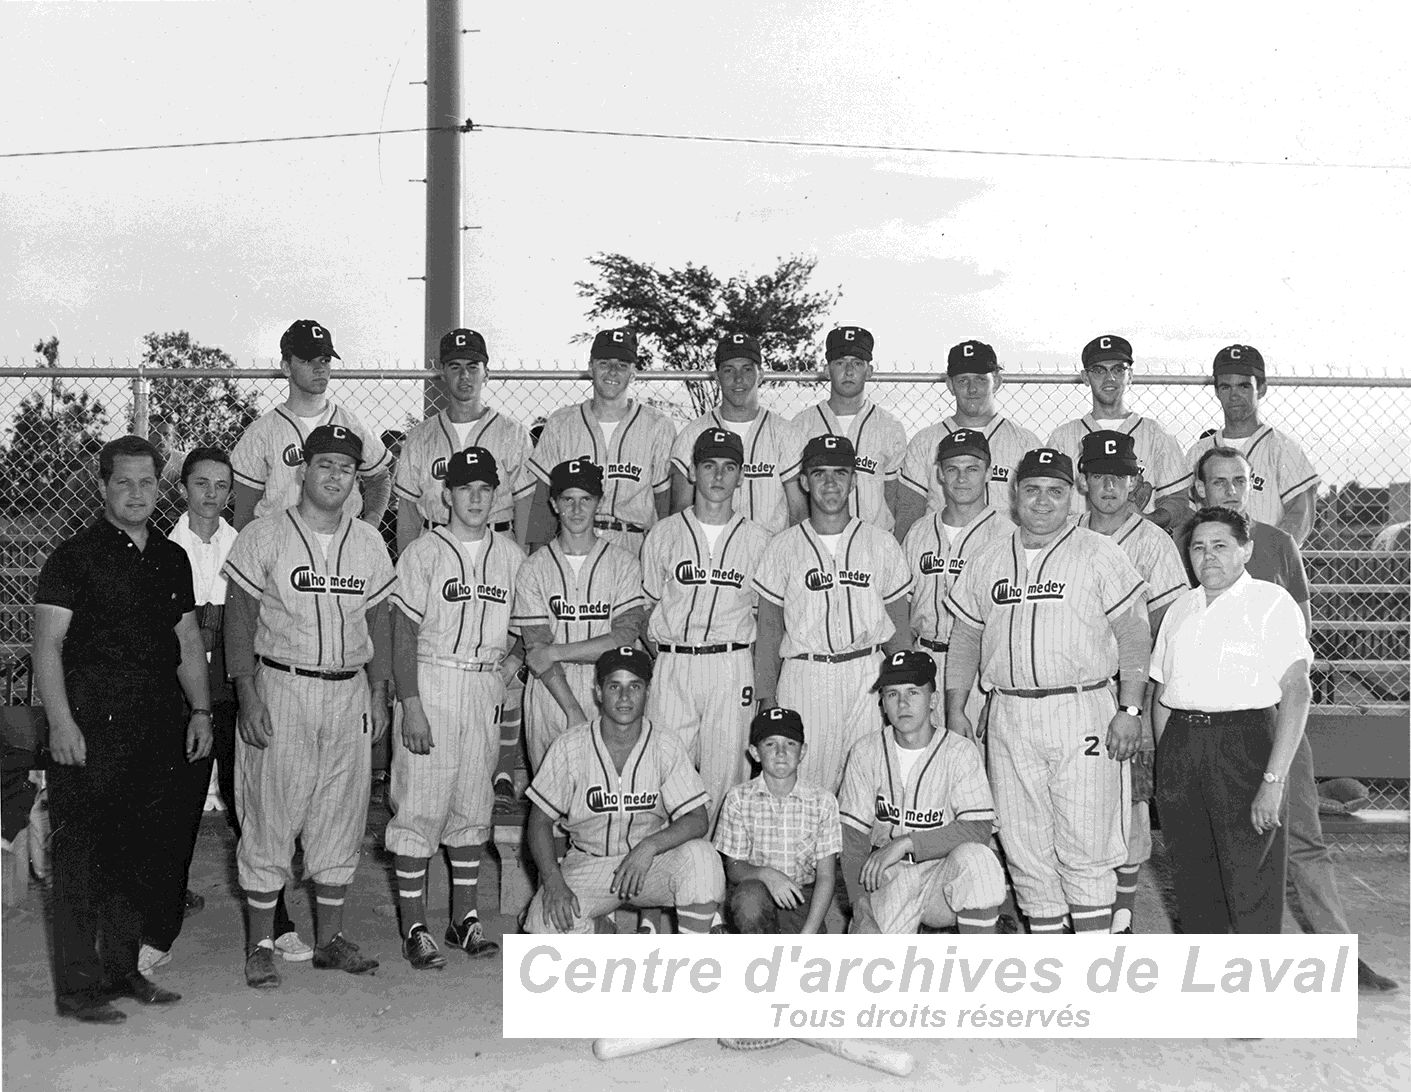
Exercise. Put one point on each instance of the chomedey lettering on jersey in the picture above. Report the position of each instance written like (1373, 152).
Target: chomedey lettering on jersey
(927, 819)
(458, 591)
(1002, 592)
(933, 564)
(599, 610)
(817, 580)
(865, 464)
(758, 470)
(856, 578)
(689, 573)
(600, 800)
(438, 468)
(1256, 482)
(305, 579)
(293, 455)
(628, 471)
(999, 473)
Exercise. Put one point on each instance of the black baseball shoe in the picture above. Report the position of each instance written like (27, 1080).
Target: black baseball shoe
(469, 936)
(1369, 981)
(259, 968)
(341, 954)
(421, 951)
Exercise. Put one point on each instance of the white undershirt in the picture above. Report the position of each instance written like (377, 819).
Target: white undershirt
(1030, 556)
(845, 423)
(712, 534)
(1111, 424)
(830, 542)
(952, 533)
(608, 427)
(1238, 444)
(311, 423)
(324, 542)
(575, 562)
(739, 428)
(906, 761)
(473, 550)
(462, 432)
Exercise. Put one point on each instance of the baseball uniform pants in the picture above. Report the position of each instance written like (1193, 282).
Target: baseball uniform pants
(688, 875)
(311, 780)
(1062, 804)
(932, 892)
(838, 708)
(1228, 876)
(544, 721)
(445, 797)
(709, 702)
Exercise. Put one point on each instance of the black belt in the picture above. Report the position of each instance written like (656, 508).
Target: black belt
(1229, 719)
(835, 657)
(503, 525)
(619, 525)
(305, 673)
(934, 646)
(700, 650)
(1054, 691)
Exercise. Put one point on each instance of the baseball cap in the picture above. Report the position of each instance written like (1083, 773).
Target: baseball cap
(971, 357)
(963, 441)
(334, 439)
(737, 347)
(625, 658)
(463, 344)
(614, 345)
(1107, 347)
(848, 341)
(308, 340)
(907, 667)
(1045, 462)
(1239, 360)
(776, 722)
(581, 473)
(1108, 452)
(474, 464)
(828, 450)
(717, 443)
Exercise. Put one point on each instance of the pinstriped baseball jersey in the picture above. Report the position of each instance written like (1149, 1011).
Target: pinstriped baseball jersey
(833, 603)
(269, 456)
(1279, 470)
(936, 563)
(701, 599)
(947, 785)
(880, 443)
(1153, 555)
(1164, 468)
(607, 813)
(636, 463)
(312, 608)
(1052, 625)
(577, 606)
(1008, 443)
(421, 467)
(771, 447)
(462, 610)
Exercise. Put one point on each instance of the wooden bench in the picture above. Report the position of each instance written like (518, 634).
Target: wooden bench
(1363, 742)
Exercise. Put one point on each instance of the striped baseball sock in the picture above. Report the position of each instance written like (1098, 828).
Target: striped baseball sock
(465, 880)
(695, 918)
(1091, 919)
(1124, 907)
(977, 921)
(328, 918)
(1052, 926)
(511, 724)
(411, 890)
(259, 916)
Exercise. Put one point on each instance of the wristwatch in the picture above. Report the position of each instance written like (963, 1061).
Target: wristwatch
(200, 712)
(1130, 710)
(1274, 779)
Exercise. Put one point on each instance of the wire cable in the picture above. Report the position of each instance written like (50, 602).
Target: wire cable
(226, 143)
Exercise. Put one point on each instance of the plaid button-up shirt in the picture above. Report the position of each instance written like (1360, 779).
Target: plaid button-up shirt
(787, 833)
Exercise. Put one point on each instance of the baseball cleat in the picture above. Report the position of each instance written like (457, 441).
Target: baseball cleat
(421, 951)
(504, 787)
(291, 947)
(259, 968)
(341, 954)
(1369, 981)
(469, 936)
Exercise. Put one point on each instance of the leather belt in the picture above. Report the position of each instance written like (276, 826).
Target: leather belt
(619, 525)
(934, 646)
(835, 657)
(1228, 719)
(305, 673)
(1054, 691)
(459, 665)
(504, 526)
(701, 650)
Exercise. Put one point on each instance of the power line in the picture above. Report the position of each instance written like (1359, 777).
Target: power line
(222, 143)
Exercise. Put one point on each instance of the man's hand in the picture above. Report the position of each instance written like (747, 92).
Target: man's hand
(198, 737)
(560, 903)
(883, 859)
(1264, 812)
(782, 890)
(256, 729)
(66, 744)
(1124, 735)
(379, 716)
(541, 659)
(961, 726)
(631, 875)
(416, 729)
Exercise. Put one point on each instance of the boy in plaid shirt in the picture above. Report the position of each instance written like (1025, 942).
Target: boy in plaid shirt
(780, 839)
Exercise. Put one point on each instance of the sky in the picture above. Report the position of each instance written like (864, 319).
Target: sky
(1033, 254)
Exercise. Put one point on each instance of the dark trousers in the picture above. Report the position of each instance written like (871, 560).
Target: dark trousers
(1228, 876)
(753, 909)
(113, 850)
(223, 750)
(191, 783)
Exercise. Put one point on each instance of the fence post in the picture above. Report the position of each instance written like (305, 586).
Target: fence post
(141, 405)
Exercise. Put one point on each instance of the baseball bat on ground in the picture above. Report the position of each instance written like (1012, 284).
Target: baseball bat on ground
(865, 1052)
(603, 1049)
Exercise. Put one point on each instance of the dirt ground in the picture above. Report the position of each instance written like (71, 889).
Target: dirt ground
(434, 1032)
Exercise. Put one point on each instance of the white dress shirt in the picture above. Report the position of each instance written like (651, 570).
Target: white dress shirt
(206, 557)
(1230, 653)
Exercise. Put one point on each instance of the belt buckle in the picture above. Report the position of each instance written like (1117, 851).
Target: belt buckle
(1200, 718)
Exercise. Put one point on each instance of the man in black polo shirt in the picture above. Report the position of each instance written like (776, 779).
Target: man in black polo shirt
(116, 644)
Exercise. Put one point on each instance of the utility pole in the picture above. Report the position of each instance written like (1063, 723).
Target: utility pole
(443, 180)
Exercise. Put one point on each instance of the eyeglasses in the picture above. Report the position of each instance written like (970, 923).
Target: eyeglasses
(1115, 370)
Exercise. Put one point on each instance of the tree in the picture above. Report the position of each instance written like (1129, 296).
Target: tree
(679, 313)
(194, 411)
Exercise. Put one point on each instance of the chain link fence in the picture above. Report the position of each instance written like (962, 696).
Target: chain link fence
(1355, 432)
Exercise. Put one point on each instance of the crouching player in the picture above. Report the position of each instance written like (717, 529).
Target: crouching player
(917, 816)
(780, 839)
(634, 809)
